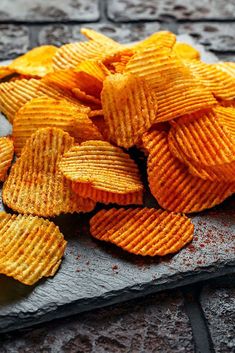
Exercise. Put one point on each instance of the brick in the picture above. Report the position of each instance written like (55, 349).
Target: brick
(151, 325)
(219, 308)
(49, 10)
(60, 34)
(133, 10)
(215, 36)
(14, 41)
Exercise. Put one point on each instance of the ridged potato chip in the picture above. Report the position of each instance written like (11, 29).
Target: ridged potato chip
(36, 62)
(178, 91)
(105, 172)
(5, 71)
(174, 188)
(129, 106)
(6, 156)
(143, 231)
(35, 186)
(48, 112)
(186, 51)
(86, 98)
(14, 95)
(228, 67)
(31, 247)
(164, 39)
(93, 68)
(208, 142)
(220, 83)
(99, 37)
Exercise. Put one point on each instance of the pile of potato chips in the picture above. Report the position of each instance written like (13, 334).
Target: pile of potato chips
(76, 110)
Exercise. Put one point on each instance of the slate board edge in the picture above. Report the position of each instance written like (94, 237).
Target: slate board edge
(10, 323)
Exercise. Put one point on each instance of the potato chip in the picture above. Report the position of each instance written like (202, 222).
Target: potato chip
(174, 188)
(13, 95)
(31, 247)
(178, 91)
(160, 39)
(99, 122)
(107, 174)
(221, 84)
(93, 68)
(129, 106)
(5, 71)
(99, 37)
(34, 185)
(226, 118)
(143, 231)
(95, 113)
(6, 156)
(86, 98)
(36, 62)
(186, 51)
(117, 58)
(48, 112)
(228, 67)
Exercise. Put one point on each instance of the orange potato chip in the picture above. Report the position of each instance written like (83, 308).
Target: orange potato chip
(105, 172)
(129, 106)
(174, 188)
(36, 62)
(117, 58)
(48, 112)
(186, 51)
(228, 67)
(93, 68)
(220, 83)
(31, 247)
(207, 141)
(99, 37)
(13, 95)
(5, 71)
(226, 117)
(6, 156)
(164, 39)
(178, 91)
(95, 113)
(143, 231)
(34, 186)
(86, 98)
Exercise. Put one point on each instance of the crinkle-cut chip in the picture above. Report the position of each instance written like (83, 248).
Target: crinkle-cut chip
(89, 84)
(14, 95)
(119, 57)
(227, 103)
(48, 112)
(86, 98)
(186, 51)
(36, 62)
(31, 247)
(143, 231)
(6, 156)
(94, 68)
(5, 71)
(226, 117)
(164, 39)
(178, 91)
(129, 106)
(99, 37)
(103, 167)
(95, 113)
(101, 125)
(220, 83)
(107, 197)
(205, 140)
(70, 55)
(174, 188)
(228, 67)
(35, 186)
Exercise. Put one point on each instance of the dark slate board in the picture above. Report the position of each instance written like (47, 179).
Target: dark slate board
(94, 274)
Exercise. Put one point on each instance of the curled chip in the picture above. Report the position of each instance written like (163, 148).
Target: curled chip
(86, 98)
(31, 247)
(48, 112)
(37, 62)
(34, 185)
(186, 51)
(103, 173)
(207, 141)
(6, 156)
(5, 71)
(129, 106)
(173, 186)
(178, 91)
(99, 37)
(14, 95)
(159, 39)
(219, 82)
(143, 231)
(93, 68)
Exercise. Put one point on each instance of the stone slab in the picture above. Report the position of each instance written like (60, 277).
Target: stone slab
(135, 10)
(49, 10)
(153, 324)
(14, 41)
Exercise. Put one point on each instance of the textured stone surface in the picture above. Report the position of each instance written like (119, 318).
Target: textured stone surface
(155, 324)
(215, 36)
(61, 34)
(14, 41)
(133, 10)
(219, 308)
(49, 10)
